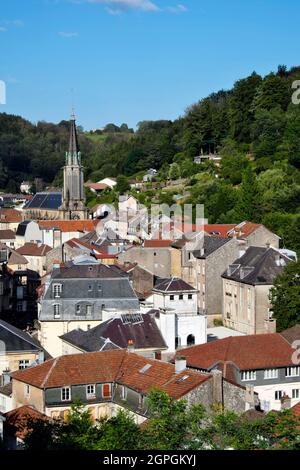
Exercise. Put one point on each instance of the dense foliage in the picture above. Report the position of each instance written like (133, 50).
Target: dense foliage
(171, 426)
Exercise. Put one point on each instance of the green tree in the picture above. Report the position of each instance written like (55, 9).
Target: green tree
(285, 297)
(122, 185)
(248, 205)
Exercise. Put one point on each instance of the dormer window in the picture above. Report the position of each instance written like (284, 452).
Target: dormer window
(56, 311)
(57, 290)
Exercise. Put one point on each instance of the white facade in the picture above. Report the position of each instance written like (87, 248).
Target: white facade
(178, 319)
(269, 394)
(129, 205)
(32, 234)
(55, 237)
(108, 181)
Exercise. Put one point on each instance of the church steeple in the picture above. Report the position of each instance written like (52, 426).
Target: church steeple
(73, 197)
(73, 156)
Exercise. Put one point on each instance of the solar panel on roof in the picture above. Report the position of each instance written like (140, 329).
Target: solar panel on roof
(45, 201)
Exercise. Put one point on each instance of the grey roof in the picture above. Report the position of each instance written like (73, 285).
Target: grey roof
(210, 245)
(88, 271)
(21, 230)
(6, 389)
(15, 339)
(174, 284)
(140, 328)
(257, 266)
(73, 140)
(291, 334)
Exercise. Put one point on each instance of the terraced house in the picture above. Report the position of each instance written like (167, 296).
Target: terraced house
(81, 294)
(107, 381)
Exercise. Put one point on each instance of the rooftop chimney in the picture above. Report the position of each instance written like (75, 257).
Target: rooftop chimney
(130, 345)
(6, 376)
(286, 402)
(217, 386)
(180, 364)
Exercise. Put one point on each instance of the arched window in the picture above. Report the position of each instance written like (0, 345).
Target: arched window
(190, 340)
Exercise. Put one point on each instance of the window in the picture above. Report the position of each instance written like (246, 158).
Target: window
(56, 310)
(248, 375)
(24, 363)
(278, 394)
(88, 309)
(19, 307)
(296, 393)
(90, 288)
(26, 391)
(78, 310)
(19, 267)
(271, 374)
(190, 296)
(57, 288)
(90, 391)
(123, 393)
(292, 371)
(106, 391)
(66, 394)
(180, 296)
(171, 297)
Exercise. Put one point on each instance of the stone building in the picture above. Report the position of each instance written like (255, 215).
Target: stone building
(246, 288)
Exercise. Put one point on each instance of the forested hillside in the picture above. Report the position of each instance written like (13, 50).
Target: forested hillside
(255, 127)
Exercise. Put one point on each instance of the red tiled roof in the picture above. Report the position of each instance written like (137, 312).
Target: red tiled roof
(218, 230)
(157, 243)
(246, 352)
(10, 215)
(296, 409)
(33, 249)
(111, 366)
(97, 186)
(69, 225)
(7, 235)
(18, 418)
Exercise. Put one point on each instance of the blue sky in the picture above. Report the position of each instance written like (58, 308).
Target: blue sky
(130, 60)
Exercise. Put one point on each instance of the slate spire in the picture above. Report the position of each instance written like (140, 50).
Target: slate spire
(73, 154)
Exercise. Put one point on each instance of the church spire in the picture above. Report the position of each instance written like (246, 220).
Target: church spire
(73, 155)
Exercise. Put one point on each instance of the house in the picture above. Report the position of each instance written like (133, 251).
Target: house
(28, 231)
(135, 329)
(96, 187)
(110, 182)
(129, 204)
(151, 173)
(161, 260)
(10, 219)
(25, 187)
(55, 233)
(18, 351)
(8, 237)
(203, 267)
(108, 381)
(43, 205)
(211, 157)
(100, 211)
(81, 294)
(175, 303)
(142, 279)
(264, 362)
(246, 289)
(35, 253)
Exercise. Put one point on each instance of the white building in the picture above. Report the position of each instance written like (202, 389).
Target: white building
(177, 317)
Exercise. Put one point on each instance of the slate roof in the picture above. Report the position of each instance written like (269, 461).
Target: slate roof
(175, 284)
(291, 334)
(22, 227)
(15, 339)
(33, 249)
(265, 351)
(210, 245)
(16, 258)
(258, 266)
(145, 334)
(91, 271)
(7, 235)
(6, 389)
(112, 366)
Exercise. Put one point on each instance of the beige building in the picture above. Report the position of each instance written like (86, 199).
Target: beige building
(246, 288)
(35, 253)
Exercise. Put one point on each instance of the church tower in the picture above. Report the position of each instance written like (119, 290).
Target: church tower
(73, 198)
